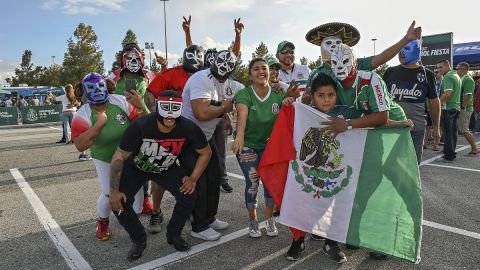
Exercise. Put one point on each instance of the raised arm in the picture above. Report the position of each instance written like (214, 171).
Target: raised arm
(186, 29)
(385, 56)
(238, 26)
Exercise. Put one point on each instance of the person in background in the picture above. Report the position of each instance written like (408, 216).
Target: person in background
(466, 108)
(35, 101)
(9, 102)
(450, 95)
(69, 107)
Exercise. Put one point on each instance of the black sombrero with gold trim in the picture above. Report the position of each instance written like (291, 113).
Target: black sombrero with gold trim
(349, 34)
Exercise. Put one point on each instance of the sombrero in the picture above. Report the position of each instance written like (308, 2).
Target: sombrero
(349, 34)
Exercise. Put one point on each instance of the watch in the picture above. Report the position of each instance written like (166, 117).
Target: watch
(349, 124)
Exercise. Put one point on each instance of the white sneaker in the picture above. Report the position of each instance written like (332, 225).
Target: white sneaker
(254, 229)
(218, 225)
(207, 235)
(271, 227)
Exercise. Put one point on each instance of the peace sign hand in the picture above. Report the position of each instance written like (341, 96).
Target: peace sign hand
(186, 23)
(238, 26)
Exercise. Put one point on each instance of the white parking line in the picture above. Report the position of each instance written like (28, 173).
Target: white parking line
(430, 160)
(452, 167)
(451, 229)
(194, 250)
(51, 127)
(71, 255)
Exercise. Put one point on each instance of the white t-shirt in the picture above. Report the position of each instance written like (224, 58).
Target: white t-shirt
(299, 73)
(8, 103)
(202, 85)
(65, 103)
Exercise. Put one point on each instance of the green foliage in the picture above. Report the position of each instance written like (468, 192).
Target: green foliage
(304, 61)
(315, 64)
(260, 51)
(83, 55)
(130, 37)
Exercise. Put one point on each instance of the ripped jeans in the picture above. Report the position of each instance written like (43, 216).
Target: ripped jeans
(248, 161)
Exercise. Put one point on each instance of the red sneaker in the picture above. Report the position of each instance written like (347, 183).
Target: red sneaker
(103, 231)
(147, 206)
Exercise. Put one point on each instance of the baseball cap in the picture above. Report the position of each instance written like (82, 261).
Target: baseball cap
(284, 43)
(272, 61)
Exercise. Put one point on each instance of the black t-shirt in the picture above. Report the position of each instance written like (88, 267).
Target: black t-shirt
(411, 88)
(154, 151)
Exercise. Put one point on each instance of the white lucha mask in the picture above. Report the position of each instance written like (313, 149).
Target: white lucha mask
(328, 45)
(133, 62)
(343, 62)
(169, 107)
(224, 64)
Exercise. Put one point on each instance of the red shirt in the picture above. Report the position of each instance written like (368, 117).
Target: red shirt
(171, 79)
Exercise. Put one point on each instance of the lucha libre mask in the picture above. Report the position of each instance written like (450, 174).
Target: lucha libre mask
(209, 57)
(411, 52)
(132, 60)
(95, 88)
(224, 65)
(169, 106)
(192, 60)
(328, 45)
(343, 62)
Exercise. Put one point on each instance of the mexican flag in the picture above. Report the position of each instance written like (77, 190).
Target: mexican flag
(361, 188)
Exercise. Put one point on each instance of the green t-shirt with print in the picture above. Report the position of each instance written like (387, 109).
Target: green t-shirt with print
(452, 81)
(468, 87)
(343, 97)
(107, 141)
(261, 115)
(345, 111)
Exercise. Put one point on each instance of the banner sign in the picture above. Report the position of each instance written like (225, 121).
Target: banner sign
(41, 114)
(436, 48)
(8, 116)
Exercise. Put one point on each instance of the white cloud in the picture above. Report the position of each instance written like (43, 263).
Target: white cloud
(89, 7)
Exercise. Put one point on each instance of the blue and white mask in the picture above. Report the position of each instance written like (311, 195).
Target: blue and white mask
(411, 52)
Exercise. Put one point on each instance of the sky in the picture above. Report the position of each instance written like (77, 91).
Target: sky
(44, 26)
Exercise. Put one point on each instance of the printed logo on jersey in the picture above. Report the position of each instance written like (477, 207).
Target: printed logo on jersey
(300, 75)
(379, 94)
(420, 77)
(228, 91)
(275, 108)
(405, 92)
(120, 118)
(158, 155)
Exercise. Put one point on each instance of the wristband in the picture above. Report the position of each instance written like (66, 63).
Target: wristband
(349, 124)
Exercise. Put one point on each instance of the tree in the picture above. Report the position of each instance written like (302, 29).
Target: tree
(260, 51)
(304, 61)
(240, 73)
(381, 69)
(83, 55)
(314, 64)
(130, 37)
(24, 73)
(155, 67)
(52, 76)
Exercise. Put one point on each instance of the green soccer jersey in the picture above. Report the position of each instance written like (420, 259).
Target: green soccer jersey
(261, 115)
(468, 87)
(345, 111)
(343, 97)
(453, 82)
(372, 96)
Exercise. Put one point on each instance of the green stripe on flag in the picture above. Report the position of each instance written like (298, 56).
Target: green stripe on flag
(387, 210)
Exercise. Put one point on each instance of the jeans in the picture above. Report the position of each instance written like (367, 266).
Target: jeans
(67, 123)
(208, 188)
(417, 137)
(132, 180)
(450, 130)
(221, 144)
(248, 161)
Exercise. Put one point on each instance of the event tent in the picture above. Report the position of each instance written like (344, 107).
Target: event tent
(467, 52)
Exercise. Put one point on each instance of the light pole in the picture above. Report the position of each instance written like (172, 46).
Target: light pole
(374, 39)
(150, 47)
(53, 59)
(165, 24)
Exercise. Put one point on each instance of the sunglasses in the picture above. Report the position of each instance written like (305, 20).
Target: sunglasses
(287, 52)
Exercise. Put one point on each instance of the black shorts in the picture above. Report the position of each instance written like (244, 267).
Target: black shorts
(429, 120)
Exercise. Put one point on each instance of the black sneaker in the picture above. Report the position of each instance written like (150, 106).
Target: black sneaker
(154, 223)
(378, 256)
(316, 237)
(136, 251)
(225, 187)
(178, 243)
(335, 253)
(297, 247)
(62, 141)
(351, 247)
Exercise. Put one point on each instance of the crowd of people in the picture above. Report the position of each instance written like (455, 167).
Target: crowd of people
(167, 131)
